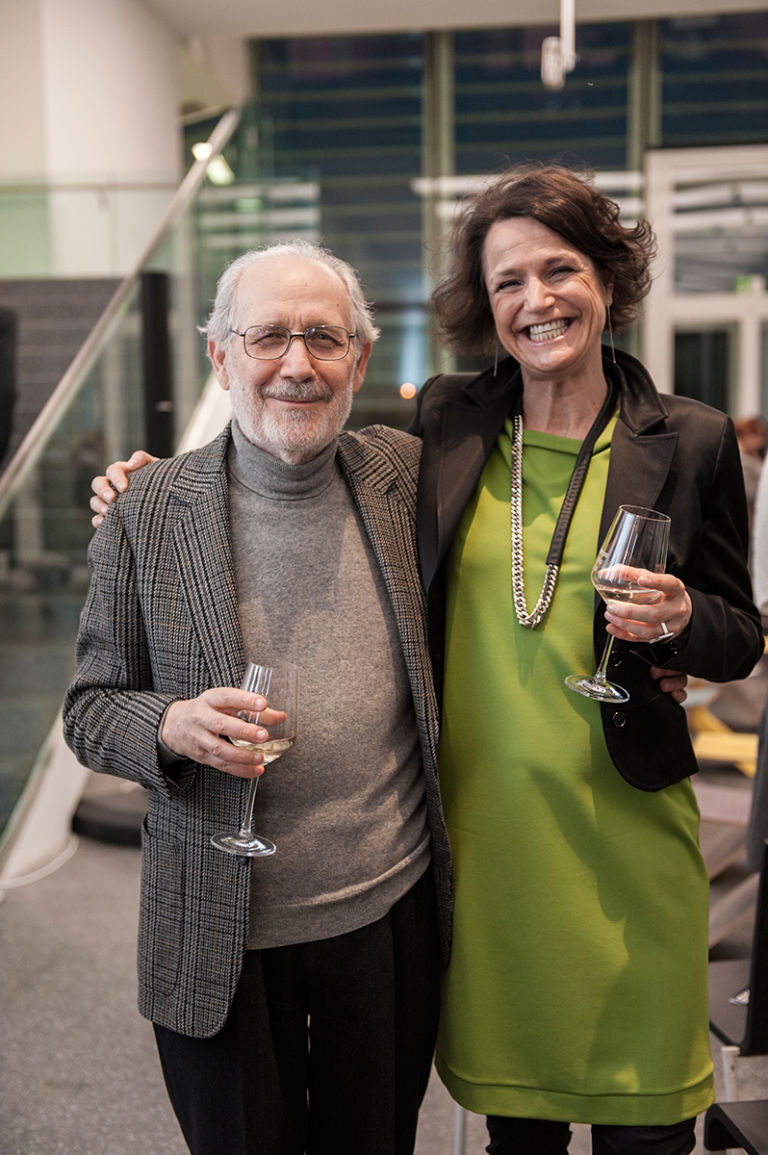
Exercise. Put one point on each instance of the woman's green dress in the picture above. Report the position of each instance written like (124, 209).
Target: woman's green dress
(577, 988)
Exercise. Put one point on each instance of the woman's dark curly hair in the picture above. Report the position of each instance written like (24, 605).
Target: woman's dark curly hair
(569, 205)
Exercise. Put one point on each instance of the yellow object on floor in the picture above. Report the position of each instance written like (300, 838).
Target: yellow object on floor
(713, 741)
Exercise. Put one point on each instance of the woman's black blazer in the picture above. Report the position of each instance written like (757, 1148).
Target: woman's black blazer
(668, 453)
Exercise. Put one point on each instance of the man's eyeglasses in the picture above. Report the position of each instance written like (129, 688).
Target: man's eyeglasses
(269, 342)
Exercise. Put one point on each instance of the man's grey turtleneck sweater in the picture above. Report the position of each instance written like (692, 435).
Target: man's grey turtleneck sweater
(346, 805)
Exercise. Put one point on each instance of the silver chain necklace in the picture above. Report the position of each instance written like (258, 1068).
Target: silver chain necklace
(529, 620)
(555, 556)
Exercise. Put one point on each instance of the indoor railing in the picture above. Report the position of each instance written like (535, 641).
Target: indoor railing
(101, 409)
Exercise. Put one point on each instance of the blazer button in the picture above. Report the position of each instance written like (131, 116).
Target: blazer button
(615, 660)
(619, 719)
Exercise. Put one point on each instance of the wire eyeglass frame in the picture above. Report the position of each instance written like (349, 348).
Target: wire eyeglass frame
(334, 332)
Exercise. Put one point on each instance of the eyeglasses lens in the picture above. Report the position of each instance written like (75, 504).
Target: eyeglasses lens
(268, 342)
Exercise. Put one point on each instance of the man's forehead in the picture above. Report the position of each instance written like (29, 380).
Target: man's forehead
(291, 281)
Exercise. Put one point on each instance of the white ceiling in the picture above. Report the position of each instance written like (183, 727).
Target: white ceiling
(234, 19)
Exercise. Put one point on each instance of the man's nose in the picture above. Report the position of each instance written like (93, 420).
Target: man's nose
(296, 360)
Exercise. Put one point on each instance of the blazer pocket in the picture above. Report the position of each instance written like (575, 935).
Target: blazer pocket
(161, 917)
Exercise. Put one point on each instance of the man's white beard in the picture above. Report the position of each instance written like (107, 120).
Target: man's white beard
(296, 435)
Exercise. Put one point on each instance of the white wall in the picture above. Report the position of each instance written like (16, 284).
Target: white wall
(109, 90)
(88, 104)
(22, 129)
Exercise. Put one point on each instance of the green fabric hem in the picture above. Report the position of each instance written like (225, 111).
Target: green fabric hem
(631, 1110)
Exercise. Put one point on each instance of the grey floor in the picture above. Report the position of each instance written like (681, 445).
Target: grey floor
(78, 1070)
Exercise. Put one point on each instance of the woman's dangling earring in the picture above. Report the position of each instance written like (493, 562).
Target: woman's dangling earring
(496, 360)
(610, 333)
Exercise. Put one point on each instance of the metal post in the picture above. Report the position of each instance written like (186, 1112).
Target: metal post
(158, 376)
(459, 1130)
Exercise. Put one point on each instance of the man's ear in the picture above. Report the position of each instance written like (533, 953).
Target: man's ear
(218, 357)
(361, 366)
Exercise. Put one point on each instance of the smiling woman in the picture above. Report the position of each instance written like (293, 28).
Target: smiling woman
(576, 990)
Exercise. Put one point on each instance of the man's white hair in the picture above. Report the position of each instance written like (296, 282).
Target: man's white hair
(222, 318)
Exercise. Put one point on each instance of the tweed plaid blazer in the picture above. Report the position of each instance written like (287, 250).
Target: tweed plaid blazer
(160, 623)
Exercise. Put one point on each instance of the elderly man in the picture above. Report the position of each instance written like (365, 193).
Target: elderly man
(294, 998)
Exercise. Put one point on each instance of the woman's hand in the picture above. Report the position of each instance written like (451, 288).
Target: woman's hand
(107, 486)
(663, 619)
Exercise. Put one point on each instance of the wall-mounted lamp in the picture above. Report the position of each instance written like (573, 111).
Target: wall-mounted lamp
(558, 53)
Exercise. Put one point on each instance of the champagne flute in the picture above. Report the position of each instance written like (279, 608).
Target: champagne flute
(280, 686)
(636, 541)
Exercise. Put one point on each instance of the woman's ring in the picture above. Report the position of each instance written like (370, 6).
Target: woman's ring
(666, 634)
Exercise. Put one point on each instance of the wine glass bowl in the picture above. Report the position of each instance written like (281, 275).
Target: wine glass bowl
(635, 545)
(280, 686)
(619, 583)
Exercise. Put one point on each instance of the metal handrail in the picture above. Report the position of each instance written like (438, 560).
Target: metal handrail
(31, 448)
(96, 184)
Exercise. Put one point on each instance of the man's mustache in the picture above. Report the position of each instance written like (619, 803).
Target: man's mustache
(296, 392)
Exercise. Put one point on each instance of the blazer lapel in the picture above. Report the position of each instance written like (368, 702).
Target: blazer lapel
(451, 468)
(638, 470)
(386, 516)
(203, 552)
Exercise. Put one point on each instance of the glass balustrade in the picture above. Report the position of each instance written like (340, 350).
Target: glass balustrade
(99, 412)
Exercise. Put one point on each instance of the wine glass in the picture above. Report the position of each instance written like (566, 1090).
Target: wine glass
(636, 541)
(280, 686)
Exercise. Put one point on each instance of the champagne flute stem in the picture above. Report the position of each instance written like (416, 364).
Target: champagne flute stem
(601, 673)
(246, 830)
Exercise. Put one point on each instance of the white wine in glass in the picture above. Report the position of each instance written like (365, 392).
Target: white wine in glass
(280, 686)
(636, 543)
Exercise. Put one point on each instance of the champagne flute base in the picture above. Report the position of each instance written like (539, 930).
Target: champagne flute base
(596, 689)
(248, 847)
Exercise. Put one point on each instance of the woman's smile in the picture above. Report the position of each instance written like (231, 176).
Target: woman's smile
(547, 330)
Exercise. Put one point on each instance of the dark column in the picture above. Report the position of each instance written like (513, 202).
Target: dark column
(158, 377)
(7, 375)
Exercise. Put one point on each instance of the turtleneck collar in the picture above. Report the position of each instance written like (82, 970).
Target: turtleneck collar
(268, 476)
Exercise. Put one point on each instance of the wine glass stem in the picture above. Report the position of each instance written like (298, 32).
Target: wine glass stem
(246, 829)
(601, 673)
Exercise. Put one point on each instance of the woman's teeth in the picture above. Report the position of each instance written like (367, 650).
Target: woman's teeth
(548, 330)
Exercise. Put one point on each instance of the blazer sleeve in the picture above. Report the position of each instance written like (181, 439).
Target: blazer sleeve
(111, 713)
(709, 552)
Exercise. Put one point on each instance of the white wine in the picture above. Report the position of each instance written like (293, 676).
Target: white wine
(271, 749)
(637, 595)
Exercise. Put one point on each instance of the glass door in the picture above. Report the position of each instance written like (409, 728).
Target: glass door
(707, 313)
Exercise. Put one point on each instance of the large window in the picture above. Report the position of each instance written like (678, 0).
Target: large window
(351, 137)
(504, 113)
(346, 114)
(714, 73)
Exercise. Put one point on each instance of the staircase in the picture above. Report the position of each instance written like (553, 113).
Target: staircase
(53, 319)
(41, 601)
